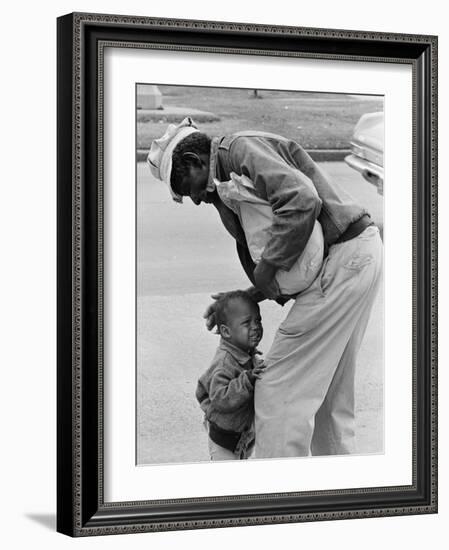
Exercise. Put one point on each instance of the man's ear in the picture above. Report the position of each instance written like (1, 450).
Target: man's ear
(224, 332)
(192, 158)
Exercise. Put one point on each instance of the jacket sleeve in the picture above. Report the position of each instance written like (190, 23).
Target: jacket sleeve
(227, 393)
(292, 195)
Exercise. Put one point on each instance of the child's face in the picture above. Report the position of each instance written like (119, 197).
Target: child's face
(244, 325)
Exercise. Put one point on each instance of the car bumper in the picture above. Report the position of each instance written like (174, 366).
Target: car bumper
(363, 166)
(373, 173)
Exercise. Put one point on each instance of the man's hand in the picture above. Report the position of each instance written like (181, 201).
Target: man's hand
(265, 281)
(209, 314)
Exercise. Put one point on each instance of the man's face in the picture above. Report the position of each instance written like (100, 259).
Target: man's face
(244, 327)
(195, 184)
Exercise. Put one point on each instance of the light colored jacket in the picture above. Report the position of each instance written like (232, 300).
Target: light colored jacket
(298, 191)
(256, 217)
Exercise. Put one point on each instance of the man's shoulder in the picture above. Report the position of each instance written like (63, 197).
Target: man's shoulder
(226, 142)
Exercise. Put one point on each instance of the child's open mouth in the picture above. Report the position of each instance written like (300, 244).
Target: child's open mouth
(255, 338)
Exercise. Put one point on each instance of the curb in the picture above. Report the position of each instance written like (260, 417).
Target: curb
(318, 155)
(175, 115)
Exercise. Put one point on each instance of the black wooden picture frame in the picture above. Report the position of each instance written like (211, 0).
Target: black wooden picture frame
(81, 510)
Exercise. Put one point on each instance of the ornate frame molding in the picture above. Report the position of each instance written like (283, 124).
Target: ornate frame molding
(81, 509)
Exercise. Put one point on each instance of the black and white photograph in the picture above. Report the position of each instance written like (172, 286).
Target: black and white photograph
(222, 285)
(259, 274)
(246, 274)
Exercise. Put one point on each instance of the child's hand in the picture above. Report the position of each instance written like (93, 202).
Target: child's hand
(257, 372)
(257, 360)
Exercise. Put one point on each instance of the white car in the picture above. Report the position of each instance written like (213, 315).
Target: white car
(367, 149)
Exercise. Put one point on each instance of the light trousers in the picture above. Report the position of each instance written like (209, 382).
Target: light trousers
(305, 401)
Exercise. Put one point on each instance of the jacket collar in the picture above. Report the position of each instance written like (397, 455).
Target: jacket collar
(228, 217)
(213, 160)
(242, 357)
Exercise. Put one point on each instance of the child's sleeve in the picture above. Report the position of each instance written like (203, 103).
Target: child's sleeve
(229, 393)
(200, 393)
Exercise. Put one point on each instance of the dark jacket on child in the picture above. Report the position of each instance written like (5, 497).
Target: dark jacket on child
(225, 392)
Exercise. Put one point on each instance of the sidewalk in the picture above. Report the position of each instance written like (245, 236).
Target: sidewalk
(180, 264)
(318, 155)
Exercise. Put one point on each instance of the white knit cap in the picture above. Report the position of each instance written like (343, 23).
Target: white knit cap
(160, 156)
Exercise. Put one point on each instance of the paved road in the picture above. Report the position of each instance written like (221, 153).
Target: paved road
(184, 255)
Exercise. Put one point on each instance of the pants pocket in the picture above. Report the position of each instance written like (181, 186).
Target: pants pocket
(359, 261)
(325, 277)
(339, 268)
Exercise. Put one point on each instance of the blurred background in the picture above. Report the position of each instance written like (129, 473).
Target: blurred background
(318, 121)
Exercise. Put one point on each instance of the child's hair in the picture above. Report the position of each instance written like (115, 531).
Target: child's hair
(222, 305)
(198, 143)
